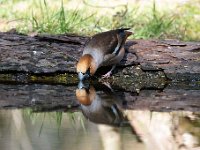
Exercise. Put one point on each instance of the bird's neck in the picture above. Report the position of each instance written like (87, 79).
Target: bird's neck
(97, 57)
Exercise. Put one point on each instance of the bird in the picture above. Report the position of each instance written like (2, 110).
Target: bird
(103, 49)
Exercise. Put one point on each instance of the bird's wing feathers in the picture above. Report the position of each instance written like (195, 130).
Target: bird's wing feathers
(117, 48)
(105, 42)
(107, 59)
(121, 36)
(108, 42)
(111, 59)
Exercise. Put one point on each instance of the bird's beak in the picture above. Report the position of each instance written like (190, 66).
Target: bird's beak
(128, 33)
(82, 85)
(82, 76)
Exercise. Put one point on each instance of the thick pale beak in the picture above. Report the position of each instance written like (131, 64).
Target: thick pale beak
(128, 33)
(83, 76)
(82, 85)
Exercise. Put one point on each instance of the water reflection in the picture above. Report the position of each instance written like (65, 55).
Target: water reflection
(20, 130)
(105, 123)
(103, 107)
(156, 130)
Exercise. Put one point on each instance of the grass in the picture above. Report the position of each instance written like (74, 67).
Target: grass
(58, 17)
(55, 22)
(155, 25)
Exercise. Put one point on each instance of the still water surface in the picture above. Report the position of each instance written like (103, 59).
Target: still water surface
(21, 131)
(57, 117)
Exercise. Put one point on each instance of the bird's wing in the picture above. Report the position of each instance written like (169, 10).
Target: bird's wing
(112, 59)
(121, 37)
(107, 59)
(108, 42)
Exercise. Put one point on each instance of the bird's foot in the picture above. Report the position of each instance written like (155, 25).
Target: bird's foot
(107, 75)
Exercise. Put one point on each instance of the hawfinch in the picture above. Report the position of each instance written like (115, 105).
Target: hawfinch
(103, 49)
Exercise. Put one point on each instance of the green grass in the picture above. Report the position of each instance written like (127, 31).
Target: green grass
(156, 25)
(55, 22)
(56, 17)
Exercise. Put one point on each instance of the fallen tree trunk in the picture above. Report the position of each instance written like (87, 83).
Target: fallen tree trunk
(24, 58)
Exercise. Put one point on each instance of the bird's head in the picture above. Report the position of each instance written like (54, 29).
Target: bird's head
(86, 67)
(128, 33)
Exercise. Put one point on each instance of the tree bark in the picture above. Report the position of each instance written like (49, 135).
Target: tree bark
(46, 54)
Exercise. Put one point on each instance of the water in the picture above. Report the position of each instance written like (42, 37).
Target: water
(42, 132)
(59, 117)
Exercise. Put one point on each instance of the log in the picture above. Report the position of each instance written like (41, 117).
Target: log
(49, 54)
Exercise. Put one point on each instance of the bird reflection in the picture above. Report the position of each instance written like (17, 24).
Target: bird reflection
(100, 107)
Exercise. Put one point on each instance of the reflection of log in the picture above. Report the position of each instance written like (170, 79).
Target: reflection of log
(38, 96)
(59, 53)
(167, 100)
(60, 97)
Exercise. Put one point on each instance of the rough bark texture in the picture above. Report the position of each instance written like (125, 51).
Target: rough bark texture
(39, 54)
(178, 60)
(59, 53)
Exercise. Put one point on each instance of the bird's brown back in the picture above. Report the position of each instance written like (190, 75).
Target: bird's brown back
(106, 41)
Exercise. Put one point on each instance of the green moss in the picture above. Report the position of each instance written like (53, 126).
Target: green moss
(133, 79)
(57, 78)
(5, 77)
(42, 78)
